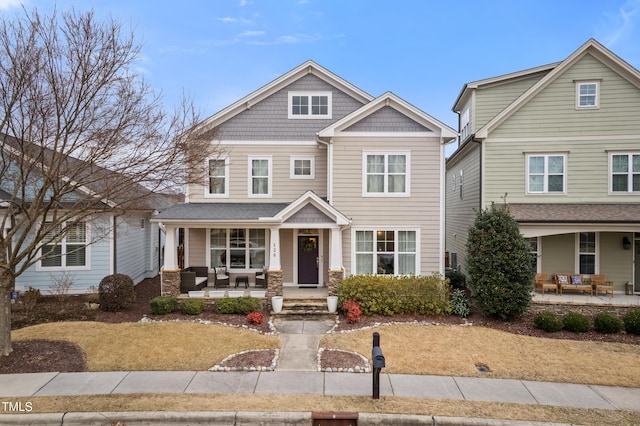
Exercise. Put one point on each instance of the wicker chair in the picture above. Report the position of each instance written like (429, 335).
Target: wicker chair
(221, 278)
(261, 278)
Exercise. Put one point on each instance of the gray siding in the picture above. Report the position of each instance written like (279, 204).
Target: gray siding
(134, 247)
(615, 262)
(421, 210)
(461, 210)
(558, 254)
(387, 119)
(268, 119)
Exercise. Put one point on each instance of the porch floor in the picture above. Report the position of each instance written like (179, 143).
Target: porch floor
(584, 299)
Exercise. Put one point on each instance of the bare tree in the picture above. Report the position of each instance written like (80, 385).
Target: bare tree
(81, 133)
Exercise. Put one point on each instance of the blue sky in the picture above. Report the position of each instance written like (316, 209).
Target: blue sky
(423, 51)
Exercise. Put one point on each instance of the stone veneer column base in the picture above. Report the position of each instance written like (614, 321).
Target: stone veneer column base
(274, 285)
(335, 278)
(170, 283)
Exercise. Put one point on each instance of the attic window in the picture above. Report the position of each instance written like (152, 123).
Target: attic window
(587, 94)
(305, 105)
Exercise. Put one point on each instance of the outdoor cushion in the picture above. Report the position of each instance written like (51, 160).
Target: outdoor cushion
(563, 279)
(576, 279)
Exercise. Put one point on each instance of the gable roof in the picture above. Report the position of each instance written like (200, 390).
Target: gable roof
(308, 67)
(432, 126)
(590, 47)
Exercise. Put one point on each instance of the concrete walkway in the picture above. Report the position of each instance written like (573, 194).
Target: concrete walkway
(300, 343)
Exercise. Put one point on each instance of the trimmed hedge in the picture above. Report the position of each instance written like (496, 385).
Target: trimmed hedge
(576, 322)
(391, 295)
(548, 321)
(607, 323)
(632, 322)
(163, 305)
(115, 292)
(192, 306)
(238, 305)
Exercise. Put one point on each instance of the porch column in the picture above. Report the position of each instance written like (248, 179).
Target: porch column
(274, 277)
(336, 273)
(170, 282)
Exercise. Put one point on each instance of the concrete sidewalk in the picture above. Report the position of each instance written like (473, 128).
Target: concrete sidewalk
(319, 383)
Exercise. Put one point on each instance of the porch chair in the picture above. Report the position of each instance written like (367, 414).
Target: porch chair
(542, 281)
(220, 277)
(261, 278)
(599, 283)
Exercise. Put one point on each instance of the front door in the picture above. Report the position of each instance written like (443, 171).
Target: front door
(307, 260)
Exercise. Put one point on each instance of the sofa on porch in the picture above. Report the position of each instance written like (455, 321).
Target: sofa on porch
(193, 278)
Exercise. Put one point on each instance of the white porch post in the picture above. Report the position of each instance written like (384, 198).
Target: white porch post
(335, 251)
(170, 249)
(274, 250)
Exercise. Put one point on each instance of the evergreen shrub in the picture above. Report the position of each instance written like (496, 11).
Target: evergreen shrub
(607, 323)
(548, 321)
(632, 322)
(460, 303)
(576, 322)
(192, 306)
(238, 305)
(115, 292)
(391, 295)
(163, 305)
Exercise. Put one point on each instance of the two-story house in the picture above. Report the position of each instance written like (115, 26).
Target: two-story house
(313, 179)
(562, 141)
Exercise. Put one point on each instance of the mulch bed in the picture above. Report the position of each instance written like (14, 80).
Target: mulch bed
(44, 355)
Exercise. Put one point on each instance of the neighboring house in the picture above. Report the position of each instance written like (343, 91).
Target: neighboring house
(316, 180)
(563, 142)
(123, 241)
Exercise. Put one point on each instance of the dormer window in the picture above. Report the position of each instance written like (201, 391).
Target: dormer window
(305, 105)
(587, 94)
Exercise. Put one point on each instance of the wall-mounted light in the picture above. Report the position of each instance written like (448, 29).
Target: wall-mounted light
(626, 243)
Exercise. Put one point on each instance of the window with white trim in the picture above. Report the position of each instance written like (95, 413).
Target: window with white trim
(260, 176)
(237, 248)
(546, 173)
(625, 172)
(385, 174)
(587, 94)
(218, 177)
(302, 167)
(310, 105)
(386, 252)
(534, 242)
(71, 252)
(587, 253)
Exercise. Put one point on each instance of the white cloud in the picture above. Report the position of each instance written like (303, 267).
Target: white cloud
(253, 33)
(621, 24)
(227, 19)
(8, 4)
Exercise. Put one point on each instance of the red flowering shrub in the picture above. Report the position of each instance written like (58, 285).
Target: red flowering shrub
(255, 317)
(354, 312)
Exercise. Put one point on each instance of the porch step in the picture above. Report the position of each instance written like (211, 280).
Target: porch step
(305, 307)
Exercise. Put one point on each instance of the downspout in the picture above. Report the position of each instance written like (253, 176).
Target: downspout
(329, 168)
(115, 244)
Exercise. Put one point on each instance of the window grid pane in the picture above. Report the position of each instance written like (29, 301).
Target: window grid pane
(302, 167)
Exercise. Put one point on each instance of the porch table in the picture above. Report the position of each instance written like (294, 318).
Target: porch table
(242, 279)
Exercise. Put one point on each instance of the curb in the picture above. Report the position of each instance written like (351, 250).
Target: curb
(241, 418)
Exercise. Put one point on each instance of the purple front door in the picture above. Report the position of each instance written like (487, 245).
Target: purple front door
(307, 260)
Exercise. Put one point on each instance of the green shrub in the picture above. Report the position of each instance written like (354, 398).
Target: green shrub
(163, 305)
(576, 322)
(459, 303)
(632, 322)
(499, 271)
(192, 306)
(115, 292)
(606, 323)
(238, 305)
(548, 321)
(390, 295)
(456, 279)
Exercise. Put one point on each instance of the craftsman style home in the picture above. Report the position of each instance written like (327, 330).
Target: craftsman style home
(562, 141)
(312, 179)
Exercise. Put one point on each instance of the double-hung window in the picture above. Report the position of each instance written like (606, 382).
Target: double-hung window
(310, 105)
(260, 176)
(386, 252)
(587, 94)
(385, 174)
(70, 251)
(625, 172)
(218, 177)
(546, 173)
(587, 252)
(238, 248)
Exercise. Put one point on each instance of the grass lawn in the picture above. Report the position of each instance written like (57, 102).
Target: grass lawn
(455, 351)
(156, 346)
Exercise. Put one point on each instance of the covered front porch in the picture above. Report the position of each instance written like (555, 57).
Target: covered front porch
(271, 245)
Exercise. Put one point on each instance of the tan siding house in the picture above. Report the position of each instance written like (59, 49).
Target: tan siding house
(563, 142)
(313, 179)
